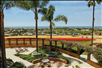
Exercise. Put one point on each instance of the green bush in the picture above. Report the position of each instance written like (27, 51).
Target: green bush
(17, 65)
(8, 59)
(17, 54)
(77, 66)
(100, 46)
(64, 59)
(97, 52)
(58, 53)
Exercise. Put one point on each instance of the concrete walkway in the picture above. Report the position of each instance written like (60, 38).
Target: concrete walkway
(75, 61)
(10, 54)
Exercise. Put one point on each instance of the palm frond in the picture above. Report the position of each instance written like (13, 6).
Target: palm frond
(90, 3)
(35, 3)
(43, 3)
(23, 4)
(99, 1)
(61, 18)
(44, 18)
(43, 11)
(7, 4)
(53, 24)
(50, 11)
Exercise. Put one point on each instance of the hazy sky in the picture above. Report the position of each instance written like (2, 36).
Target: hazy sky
(77, 12)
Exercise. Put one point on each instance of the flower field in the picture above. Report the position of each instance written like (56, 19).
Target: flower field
(57, 38)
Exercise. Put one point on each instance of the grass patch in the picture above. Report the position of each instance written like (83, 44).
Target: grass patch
(77, 66)
(85, 42)
(84, 53)
(17, 65)
(8, 59)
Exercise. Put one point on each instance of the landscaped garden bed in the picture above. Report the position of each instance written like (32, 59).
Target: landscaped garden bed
(17, 65)
(44, 51)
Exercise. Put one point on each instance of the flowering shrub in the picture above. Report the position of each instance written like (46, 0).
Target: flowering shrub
(97, 52)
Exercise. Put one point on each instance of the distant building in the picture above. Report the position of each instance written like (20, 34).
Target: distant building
(84, 29)
(76, 29)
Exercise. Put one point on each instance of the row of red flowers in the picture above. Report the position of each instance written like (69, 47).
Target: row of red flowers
(67, 39)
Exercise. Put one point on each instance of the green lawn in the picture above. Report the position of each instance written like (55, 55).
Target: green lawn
(17, 65)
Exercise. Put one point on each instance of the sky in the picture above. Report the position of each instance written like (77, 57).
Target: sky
(77, 12)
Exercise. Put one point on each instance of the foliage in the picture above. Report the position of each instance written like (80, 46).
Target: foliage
(17, 65)
(8, 59)
(90, 3)
(44, 51)
(17, 54)
(58, 53)
(77, 66)
(97, 52)
(30, 5)
(48, 15)
(100, 46)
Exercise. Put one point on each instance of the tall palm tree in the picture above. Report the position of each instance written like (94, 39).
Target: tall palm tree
(34, 6)
(3, 4)
(92, 3)
(48, 14)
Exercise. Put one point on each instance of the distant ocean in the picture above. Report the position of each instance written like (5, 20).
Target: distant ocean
(53, 27)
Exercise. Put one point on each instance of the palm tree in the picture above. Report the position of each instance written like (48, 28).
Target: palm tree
(34, 6)
(3, 4)
(48, 16)
(92, 3)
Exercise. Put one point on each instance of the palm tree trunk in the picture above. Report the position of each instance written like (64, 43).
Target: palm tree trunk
(36, 18)
(2, 41)
(51, 36)
(89, 55)
(92, 26)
